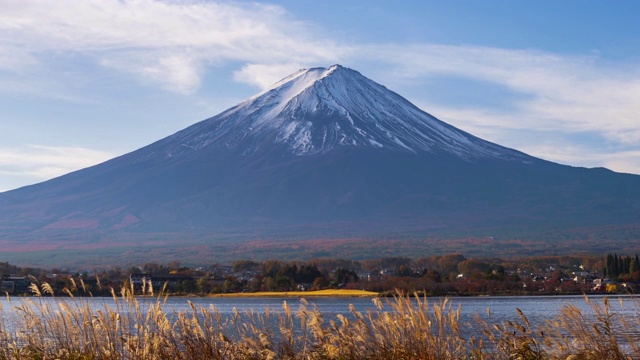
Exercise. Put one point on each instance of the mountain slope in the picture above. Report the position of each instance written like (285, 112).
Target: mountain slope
(324, 152)
(317, 110)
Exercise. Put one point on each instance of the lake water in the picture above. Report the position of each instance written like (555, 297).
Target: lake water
(536, 308)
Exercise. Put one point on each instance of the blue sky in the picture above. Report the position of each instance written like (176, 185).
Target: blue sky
(82, 81)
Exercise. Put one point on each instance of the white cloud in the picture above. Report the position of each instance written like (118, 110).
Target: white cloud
(263, 75)
(564, 93)
(37, 162)
(624, 161)
(627, 161)
(179, 73)
(168, 43)
(518, 131)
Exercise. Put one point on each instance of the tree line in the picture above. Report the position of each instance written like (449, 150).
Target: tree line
(617, 266)
(452, 274)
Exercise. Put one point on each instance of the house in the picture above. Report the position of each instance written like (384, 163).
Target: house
(138, 279)
(606, 285)
(171, 280)
(158, 282)
(368, 276)
(304, 287)
(583, 277)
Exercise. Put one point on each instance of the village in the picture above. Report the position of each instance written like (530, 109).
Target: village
(447, 275)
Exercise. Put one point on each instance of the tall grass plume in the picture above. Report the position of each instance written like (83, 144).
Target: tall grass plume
(127, 327)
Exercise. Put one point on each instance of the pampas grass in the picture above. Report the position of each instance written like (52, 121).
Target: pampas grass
(127, 327)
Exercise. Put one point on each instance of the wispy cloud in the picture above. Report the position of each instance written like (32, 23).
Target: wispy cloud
(45, 162)
(264, 75)
(574, 93)
(168, 43)
(626, 161)
(517, 129)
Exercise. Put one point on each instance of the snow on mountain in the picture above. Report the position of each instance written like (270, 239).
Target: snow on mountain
(317, 110)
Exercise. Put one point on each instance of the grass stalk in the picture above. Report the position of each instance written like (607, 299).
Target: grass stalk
(404, 327)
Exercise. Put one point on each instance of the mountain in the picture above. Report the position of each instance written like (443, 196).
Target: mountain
(325, 153)
(318, 110)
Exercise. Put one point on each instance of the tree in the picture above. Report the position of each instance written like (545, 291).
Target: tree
(245, 265)
(307, 274)
(344, 276)
(468, 266)
(230, 284)
(203, 284)
(404, 270)
(320, 283)
(633, 266)
(432, 275)
(449, 263)
(270, 268)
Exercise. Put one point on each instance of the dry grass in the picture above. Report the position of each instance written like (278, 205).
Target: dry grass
(401, 328)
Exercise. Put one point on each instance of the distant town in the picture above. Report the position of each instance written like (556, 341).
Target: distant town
(450, 275)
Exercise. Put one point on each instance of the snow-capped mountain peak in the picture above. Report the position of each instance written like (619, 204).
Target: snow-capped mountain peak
(320, 109)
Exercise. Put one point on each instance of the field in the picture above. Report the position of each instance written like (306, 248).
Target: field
(409, 328)
(318, 293)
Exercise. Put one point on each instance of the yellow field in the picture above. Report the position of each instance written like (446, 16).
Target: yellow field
(318, 293)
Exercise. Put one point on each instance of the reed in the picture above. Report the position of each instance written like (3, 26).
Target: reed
(403, 327)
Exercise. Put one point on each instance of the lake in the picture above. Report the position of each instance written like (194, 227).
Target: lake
(502, 308)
